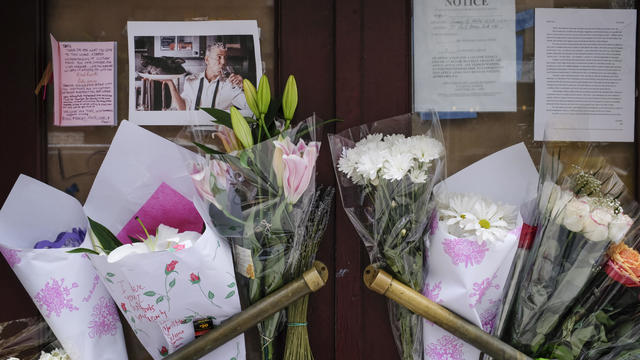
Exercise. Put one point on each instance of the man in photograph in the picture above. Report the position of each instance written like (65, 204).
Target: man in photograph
(215, 87)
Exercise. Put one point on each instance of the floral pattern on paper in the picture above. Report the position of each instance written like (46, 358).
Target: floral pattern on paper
(481, 288)
(446, 348)
(55, 297)
(432, 293)
(488, 319)
(465, 251)
(104, 318)
(434, 222)
(11, 256)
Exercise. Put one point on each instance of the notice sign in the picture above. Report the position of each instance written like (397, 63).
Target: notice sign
(84, 79)
(584, 74)
(464, 55)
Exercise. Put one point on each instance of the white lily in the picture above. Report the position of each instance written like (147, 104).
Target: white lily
(166, 238)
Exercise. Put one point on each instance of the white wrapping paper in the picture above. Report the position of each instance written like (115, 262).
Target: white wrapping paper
(161, 292)
(64, 286)
(467, 276)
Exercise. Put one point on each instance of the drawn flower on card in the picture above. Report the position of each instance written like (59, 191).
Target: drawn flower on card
(169, 269)
(163, 351)
(194, 279)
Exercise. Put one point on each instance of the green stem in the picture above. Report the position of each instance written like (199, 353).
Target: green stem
(266, 131)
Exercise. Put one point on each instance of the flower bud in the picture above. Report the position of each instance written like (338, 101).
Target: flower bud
(264, 95)
(252, 97)
(290, 98)
(241, 128)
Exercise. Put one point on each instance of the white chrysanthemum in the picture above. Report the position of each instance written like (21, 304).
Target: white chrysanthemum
(369, 165)
(394, 139)
(418, 176)
(425, 148)
(396, 166)
(492, 221)
(57, 354)
(391, 157)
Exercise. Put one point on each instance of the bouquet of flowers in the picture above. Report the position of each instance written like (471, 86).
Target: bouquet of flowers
(385, 172)
(606, 318)
(472, 243)
(167, 267)
(64, 287)
(259, 177)
(584, 209)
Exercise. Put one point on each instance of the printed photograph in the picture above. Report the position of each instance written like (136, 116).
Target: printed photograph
(180, 73)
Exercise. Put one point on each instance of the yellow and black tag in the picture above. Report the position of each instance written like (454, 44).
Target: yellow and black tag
(202, 326)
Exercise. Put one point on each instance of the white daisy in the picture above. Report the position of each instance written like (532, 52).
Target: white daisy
(455, 211)
(492, 222)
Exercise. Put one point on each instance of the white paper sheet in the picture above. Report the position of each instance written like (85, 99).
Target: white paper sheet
(137, 163)
(463, 275)
(508, 176)
(585, 74)
(64, 286)
(464, 55)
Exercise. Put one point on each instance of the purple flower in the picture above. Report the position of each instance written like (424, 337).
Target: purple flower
(65, 239)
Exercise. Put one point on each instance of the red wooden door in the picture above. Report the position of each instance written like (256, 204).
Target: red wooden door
(352, 59)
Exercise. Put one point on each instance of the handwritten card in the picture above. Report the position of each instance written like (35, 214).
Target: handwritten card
(84, 79)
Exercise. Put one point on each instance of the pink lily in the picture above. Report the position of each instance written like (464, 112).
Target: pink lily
(211, 179)
(228, 138)
(285, 147)
(294, 165)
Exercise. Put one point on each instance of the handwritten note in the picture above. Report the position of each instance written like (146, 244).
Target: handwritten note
(84, 76)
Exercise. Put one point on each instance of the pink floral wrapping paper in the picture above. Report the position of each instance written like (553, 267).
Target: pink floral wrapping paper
(64, 287)
(468, 276)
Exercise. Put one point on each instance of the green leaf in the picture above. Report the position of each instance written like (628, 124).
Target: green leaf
(264, 94)
(230, 285)
(133, 320)
(172, 283)
(187, 319)
(206, 149)
(219, 116)
(107, 240)
(83, 250)
(241, 128)
(109, 280)
(150, 293)
(252, 97)
(290, 98)
(109, 274)
(211, 295)
(230, 294)
(134, 239)
(159, 299)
